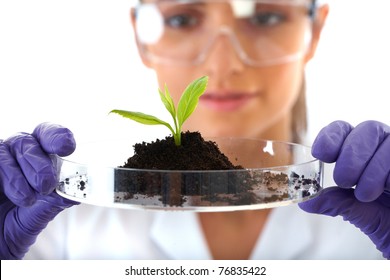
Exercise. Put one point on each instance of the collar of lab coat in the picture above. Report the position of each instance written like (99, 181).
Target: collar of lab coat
(286, 234)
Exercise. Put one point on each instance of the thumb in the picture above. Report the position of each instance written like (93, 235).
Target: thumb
(55, 139)
(372, 218)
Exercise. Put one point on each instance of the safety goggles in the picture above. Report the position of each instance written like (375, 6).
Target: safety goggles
(262, 32)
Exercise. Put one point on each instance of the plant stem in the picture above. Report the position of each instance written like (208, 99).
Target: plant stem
(177, 134)
(177, 138)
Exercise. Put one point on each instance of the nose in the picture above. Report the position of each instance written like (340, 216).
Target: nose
(223, 54)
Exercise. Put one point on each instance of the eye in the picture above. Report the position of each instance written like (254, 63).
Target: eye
(181, 21)
(267, 19)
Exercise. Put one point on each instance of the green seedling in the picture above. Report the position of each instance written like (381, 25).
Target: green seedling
(186, 106)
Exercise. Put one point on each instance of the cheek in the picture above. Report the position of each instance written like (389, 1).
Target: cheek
(283, 89)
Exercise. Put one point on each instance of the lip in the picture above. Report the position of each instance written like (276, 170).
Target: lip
(224, 101)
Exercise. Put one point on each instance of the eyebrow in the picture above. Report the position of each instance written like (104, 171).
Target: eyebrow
(181, 2)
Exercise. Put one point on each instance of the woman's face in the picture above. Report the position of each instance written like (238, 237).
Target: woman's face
(242, 99)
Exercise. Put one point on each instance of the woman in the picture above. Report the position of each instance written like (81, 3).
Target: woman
(254, 53)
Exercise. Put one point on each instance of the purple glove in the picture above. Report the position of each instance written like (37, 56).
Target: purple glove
(28, 177)
(362, 157)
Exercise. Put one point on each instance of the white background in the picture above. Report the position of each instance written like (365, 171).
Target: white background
(72, 61)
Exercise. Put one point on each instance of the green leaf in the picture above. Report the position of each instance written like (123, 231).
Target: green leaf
(190, 98)
(142, 118)
(187, 104)
(168, 102)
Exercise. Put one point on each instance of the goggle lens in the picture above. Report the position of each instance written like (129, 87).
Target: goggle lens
(261, 32)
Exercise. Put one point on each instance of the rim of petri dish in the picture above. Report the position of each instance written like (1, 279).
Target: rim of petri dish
(274, 174)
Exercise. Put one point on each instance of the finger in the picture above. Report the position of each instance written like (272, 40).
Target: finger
(328, 143)
(36, 165)
(357, 150)
(55, 139)
(384, 199)
(12, 181)
(387, 188)
(330, 201)
(31, 221)
(373, 181)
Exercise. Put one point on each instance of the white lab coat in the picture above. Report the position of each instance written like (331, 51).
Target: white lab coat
(91, 232)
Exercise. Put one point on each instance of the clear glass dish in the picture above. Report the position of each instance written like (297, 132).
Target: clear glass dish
(274, 174)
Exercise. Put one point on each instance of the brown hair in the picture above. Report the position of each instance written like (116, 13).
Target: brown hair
(299, 116)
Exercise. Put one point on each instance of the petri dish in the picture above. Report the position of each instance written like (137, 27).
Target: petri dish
(273, 174)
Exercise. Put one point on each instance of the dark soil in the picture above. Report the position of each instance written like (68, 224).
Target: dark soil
(194, 154)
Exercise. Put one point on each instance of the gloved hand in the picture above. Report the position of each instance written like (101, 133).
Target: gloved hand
(362, 159)
(28, 177)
